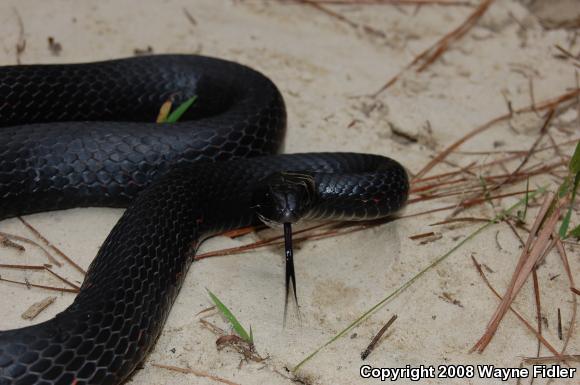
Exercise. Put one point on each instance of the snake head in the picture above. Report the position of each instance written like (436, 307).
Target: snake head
(284, 197)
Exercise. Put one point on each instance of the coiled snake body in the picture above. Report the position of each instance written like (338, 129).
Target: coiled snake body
(81, 135)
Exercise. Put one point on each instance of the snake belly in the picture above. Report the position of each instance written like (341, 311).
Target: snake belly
(81, 135)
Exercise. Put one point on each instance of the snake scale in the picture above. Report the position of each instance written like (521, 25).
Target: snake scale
(76, 135)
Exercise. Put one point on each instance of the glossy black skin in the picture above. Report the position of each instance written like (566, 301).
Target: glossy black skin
(177, 195)
(101, 147)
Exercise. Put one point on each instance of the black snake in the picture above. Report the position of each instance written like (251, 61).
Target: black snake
(82, 135)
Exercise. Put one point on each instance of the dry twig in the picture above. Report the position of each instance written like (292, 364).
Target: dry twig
(534, 249)
(431, 54)
(51, 246)
(544, 105)
(36, 308)
(198, 373)
(366, 28)
(518, 315)
(18, 238)
(377, 338)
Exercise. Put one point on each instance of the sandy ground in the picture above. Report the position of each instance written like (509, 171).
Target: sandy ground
(323, 66)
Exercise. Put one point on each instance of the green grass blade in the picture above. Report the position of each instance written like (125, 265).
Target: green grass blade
(179, 111)
(574, 168)
(575, 232)
(405, 285)
(565, 224)
(231, 318)
(566, 221)
(574, 165)
(522, 215)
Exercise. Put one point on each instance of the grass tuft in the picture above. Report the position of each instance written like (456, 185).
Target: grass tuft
(574, 169)
(179, 111)
(249, 338)
(166, 116)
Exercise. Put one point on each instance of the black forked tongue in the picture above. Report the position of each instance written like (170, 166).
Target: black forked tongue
(284, 198)
(290, 275)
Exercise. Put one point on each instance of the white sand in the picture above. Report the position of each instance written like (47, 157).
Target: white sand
(321, 65)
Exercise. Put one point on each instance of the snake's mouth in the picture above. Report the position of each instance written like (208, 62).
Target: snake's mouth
(279, 224)
(270, 223)
(284, 197)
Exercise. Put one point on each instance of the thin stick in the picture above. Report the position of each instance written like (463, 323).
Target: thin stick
(572, 323)
(551, 359)
(560, 336)
(27, 284)
(22, 267)
(31, 242)
(519, 152)
(63, 279)
(54, 248)
(529, 153)
(195, 372)
(567, 53)
(528, 259)
(474, 166)
(376, 338)
(189, 17)
(40, 267)
(456, 34)
(341, 18)
(432, 53)
(520, 317)
(5, 242)
(546, 104)
(254, 245)
(455, 220)
(538, 305)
